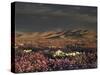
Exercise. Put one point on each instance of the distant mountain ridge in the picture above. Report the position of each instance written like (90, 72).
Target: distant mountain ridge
(56, 34)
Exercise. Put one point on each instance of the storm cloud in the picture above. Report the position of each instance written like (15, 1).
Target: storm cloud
(32, 17)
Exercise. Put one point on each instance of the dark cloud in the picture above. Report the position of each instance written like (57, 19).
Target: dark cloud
(43, 17)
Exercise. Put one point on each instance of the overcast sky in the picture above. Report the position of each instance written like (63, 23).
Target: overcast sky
(33, 17)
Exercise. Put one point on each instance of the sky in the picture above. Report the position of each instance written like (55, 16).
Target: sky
(37, 17)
